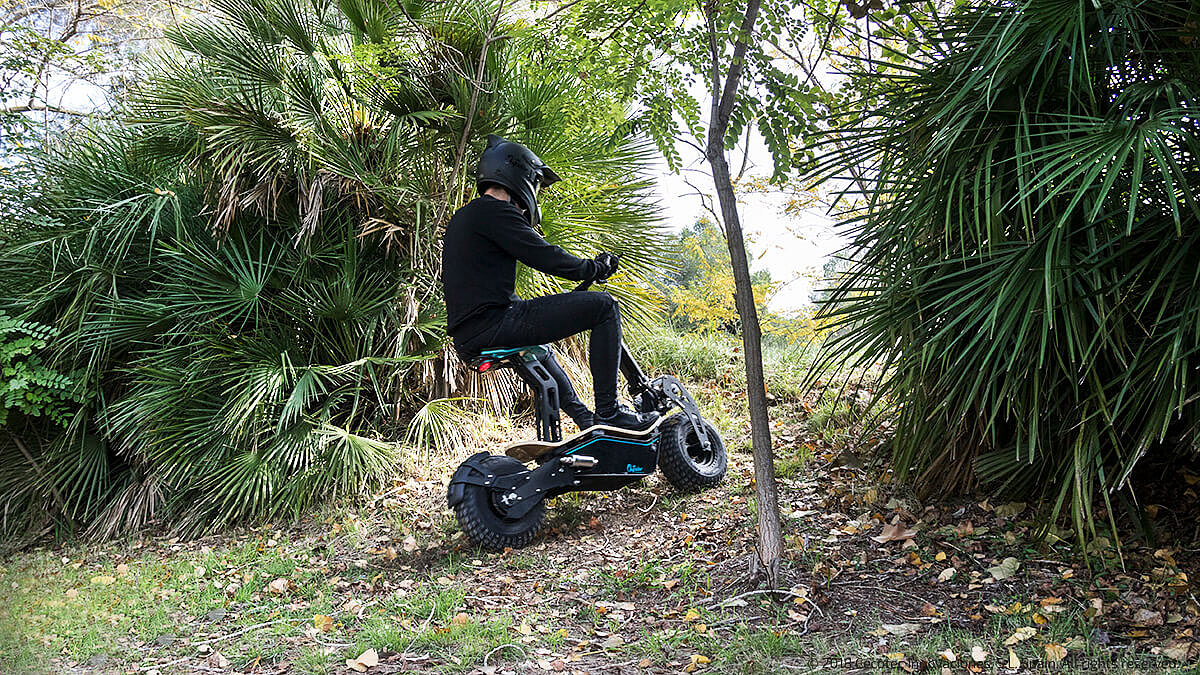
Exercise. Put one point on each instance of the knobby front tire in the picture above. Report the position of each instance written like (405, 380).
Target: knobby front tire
(683, 460)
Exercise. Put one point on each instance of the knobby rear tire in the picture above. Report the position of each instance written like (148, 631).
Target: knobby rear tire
(480, 518)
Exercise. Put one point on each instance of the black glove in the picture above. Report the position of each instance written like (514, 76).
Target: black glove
(607, 264)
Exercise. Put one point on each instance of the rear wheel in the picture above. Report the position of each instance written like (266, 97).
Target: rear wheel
(481, 514)
(683, 459)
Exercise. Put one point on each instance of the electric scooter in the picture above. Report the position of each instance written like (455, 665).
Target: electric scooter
(499, 500)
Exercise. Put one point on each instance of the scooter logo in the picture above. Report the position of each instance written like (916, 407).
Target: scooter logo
(634, 468)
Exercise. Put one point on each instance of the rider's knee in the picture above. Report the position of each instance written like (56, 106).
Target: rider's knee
(608, 305)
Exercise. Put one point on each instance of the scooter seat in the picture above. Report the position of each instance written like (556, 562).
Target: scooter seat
(492, 359)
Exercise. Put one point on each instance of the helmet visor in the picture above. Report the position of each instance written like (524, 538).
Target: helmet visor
(546, 177)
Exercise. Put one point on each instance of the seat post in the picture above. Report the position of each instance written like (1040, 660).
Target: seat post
(545, 396)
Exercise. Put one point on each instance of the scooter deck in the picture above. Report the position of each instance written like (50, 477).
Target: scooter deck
(530, 450)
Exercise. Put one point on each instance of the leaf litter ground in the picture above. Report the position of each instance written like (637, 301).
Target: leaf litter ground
(638, 581)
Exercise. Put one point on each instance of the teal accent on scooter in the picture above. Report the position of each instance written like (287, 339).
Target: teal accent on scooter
(611, 440)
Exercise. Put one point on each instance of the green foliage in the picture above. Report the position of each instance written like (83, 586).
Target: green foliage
(63, 60)
(27, 384)
(1027, 261)
(716, 357)
(687, 355)
(701, 291)
(658, 52)
(245, 269)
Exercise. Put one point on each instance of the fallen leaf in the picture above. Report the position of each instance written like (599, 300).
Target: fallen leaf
(122, 569)
(1178, 650)
(948, 655)
(1055, 653)
(279, 586)
(947, 574)
(323, 623)
(368, 659)
(217, 660)
(900, 629)
(461, 619)
(670, 583)
(1005, 569)
(691, 615)
(103, 580)
(612, 642)
(897, 532)
(1022, 634)
(1013, 661)
(978, 655)
(895, 656)
(1146, 617)
(1010, 509)
(409, 544)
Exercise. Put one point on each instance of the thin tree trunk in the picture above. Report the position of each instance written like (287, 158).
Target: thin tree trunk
(770, 538)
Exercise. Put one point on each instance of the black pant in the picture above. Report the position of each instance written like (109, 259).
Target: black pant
(568, 400)
(554, 317)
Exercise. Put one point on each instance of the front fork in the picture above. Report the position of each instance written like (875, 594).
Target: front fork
(655, 394)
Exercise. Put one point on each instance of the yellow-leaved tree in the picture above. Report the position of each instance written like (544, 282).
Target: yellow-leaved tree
(701, 291)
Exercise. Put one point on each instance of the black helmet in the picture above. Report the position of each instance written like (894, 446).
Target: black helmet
(516, 169)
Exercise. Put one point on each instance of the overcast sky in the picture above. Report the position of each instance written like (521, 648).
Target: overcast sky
(793, 248)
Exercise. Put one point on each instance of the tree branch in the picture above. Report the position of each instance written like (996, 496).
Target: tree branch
(45, 107)
(734, 76)
(466, 135)
(705, 201)
(565, 5)
(745, 156)
(715, 56)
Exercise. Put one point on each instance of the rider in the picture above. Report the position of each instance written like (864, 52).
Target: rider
(481, 247)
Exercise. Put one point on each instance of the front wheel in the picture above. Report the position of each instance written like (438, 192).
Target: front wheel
(481, 515)
(682, 458)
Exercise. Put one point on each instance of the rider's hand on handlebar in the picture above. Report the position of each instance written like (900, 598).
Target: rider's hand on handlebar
(608, 263)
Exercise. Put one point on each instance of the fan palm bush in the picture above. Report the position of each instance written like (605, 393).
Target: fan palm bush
(244, 270)
(1027, 262)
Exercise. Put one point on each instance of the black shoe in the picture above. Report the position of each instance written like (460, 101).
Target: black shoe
(584, 420)
(624, 418)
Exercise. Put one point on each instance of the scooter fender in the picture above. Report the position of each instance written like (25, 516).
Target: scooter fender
(470, 472)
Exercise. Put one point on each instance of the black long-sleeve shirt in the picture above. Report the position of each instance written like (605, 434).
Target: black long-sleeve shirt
(480, 249)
